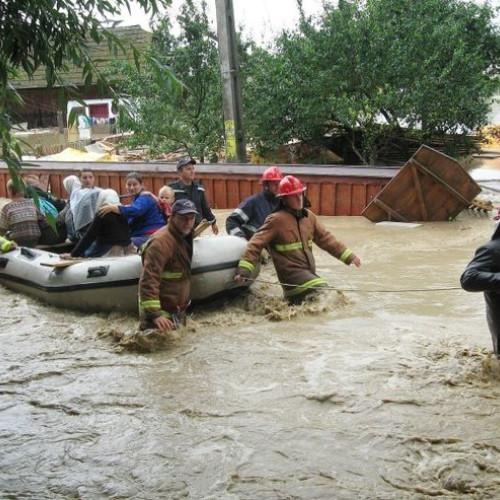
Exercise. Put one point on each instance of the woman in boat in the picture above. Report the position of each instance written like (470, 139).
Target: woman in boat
(144, 216)
(107, 236)
(83, 201)
(71, 183)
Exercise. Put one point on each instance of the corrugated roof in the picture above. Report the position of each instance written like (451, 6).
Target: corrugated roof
(100, 53)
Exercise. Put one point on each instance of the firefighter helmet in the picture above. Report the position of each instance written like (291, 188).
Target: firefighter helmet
(271, 174)
(290, 185)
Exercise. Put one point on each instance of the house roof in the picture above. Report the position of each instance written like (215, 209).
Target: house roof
(100, 54)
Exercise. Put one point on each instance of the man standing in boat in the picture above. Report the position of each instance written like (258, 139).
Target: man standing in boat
(187, 189)
(253, 211)
(165, 283)
(289, 234)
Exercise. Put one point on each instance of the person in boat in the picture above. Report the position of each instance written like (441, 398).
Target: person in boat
(7, 245)
(107, 236)
(20, 217)
(166, 198)
(165, 282)
(47, 201)
(187, 189)
(71, 183)
(253, 211)
(482, 274)
(289, 234)
(52, 224)
(144, 216)
(83, 201)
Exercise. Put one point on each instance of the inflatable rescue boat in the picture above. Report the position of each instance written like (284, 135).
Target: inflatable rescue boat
(110, 283)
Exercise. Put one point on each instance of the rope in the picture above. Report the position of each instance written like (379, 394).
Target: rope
(361, 290)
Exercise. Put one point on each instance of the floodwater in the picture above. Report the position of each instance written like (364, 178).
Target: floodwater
(382, 389)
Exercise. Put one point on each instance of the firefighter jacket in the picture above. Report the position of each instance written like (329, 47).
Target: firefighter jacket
(196, 193)
(251, 214)
(289, 237)
(482, 274)
(165, 283)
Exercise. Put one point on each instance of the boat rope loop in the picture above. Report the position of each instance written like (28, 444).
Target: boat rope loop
(401, 290)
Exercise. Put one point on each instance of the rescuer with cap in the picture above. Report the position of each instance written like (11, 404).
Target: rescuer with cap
(289, 234)
(187, 189)
(253, 211)
(165, 283)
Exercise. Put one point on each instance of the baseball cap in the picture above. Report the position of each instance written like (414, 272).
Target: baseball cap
(183, 207)
(185, 161)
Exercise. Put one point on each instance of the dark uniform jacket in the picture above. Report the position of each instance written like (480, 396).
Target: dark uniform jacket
(196, 193)
(483, 275)
(290, 236)
(251, 214)
(165, 283)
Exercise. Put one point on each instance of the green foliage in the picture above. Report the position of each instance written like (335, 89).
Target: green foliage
(377, 67)
(187, 116)
(52, 35)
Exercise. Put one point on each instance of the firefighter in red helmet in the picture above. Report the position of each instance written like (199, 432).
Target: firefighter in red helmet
(289, 234)
(252, 212)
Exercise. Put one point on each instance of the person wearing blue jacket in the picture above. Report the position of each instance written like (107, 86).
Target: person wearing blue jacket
(144, 216)
(482, 274)
(253, 211)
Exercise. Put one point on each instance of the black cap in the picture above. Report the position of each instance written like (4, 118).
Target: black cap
(185, 161)
(183, 207)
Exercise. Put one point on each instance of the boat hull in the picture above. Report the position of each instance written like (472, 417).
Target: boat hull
(110, 283)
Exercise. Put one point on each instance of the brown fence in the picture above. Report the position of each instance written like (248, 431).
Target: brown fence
(332, 190)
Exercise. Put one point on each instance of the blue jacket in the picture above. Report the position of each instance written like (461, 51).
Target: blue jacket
(251, 214)
(143, 214)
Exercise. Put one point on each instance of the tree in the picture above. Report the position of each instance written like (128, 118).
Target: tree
(52, 35)
(190, 116)
(378, 67)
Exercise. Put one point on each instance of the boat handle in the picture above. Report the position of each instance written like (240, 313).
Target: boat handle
(97, 272)
(27, 252)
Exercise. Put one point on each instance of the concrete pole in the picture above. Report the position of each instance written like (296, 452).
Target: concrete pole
(231, 92)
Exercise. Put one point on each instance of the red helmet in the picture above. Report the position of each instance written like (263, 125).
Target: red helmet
(290, 185)
(272, 174)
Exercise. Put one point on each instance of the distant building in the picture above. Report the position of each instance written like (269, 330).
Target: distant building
(43, 108)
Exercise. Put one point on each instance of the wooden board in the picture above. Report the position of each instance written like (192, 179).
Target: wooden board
(62, 263)
(429, 187)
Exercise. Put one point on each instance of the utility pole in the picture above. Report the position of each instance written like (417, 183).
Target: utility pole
(231, 92)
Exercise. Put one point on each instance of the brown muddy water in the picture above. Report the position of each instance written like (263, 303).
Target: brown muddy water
(384, 389)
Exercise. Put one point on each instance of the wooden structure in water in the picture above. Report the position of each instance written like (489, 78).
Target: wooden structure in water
(332, 190)
(429, 187)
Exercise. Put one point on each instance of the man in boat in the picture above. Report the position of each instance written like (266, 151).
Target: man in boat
(165, 283)
(187, 189)
(253, 211)
(482, 274)
(289, 234)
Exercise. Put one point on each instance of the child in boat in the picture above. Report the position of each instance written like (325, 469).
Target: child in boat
(166, 198)
(107, 236)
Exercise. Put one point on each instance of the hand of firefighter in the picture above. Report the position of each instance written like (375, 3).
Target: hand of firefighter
(164, 324)
(356, 261)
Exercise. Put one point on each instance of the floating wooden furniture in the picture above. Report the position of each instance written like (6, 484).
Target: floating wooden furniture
(429, 187)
